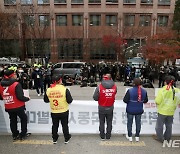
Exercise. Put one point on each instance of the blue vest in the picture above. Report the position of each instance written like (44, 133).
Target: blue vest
(133, 106)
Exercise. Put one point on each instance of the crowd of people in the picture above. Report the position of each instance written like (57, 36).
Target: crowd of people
(14, 80)
(39, 77)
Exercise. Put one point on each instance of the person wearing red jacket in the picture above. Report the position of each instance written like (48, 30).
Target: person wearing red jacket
(11, 93)
(105, 95)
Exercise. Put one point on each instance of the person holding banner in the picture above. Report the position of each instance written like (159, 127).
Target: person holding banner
(11, 93)
(135, 98)
(167, 99)
(105, 95)
(60, 98)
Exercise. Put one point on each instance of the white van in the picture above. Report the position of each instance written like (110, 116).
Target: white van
(71, 69)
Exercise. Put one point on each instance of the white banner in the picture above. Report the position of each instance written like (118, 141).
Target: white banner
(83, 118)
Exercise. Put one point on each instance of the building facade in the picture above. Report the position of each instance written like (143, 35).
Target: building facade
(75, 30)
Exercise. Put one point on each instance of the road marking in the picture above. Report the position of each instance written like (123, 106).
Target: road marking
(124, 144)
(42, 142)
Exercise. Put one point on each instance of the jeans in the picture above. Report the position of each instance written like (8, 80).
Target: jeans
(13, 122)
(130, 122)
(168, 121)
(56, 118)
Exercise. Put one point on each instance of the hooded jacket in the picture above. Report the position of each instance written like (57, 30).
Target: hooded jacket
(166, 104)
(106, 84)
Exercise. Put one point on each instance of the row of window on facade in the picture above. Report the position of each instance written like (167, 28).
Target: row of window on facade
(95, 20)
(67, 48)
(12, 2)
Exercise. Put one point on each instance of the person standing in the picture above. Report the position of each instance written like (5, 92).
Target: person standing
(37, 76)
(135, 98)
(11, 93)
(167, 99)
(60, 98)
(105, 95)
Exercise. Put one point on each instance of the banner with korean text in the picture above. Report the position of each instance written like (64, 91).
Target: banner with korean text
(83, 118)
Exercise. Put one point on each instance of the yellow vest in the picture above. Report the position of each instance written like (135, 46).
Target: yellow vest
(57, 99)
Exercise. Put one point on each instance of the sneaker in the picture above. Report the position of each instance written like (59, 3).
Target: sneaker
(38, 94)
(22, 138)
(28, 134)
(102, 139)
(129, 138)
(108, 137)
(137, 139)
(54, 141)
(67, 140)
(15, 138)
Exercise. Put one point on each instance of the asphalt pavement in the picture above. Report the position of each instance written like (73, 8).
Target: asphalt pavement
(87, 143)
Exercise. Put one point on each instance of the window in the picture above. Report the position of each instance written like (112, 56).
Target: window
(99, 51)
(70, 48)
(111, 20)
(43, 1)
(147, 1)
(9, 2)
(41, 46)
(95, 20)
(111, 1)
(44, 20)
(164, 2)
(162, 21)
(61, 20)
(129, 1)
(145, 20)
(10, 48)
(129, 20)
(77, 1)
(29, 20)
(12, 21)
(26, 1)
(59, 1)
(77, 20)
(94, 1)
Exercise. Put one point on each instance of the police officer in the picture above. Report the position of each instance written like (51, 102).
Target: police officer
(105, 95)
(12, 93)
(60, 98)
(167, 99)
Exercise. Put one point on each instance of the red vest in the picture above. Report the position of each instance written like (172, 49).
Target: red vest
(9, 97)
(106, 96)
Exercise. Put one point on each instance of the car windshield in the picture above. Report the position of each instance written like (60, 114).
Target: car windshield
(70, 65)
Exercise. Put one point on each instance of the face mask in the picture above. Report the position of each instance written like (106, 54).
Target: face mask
(37, 69)
(20, 71)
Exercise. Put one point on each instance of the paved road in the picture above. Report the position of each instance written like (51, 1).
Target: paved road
(85, 143)
(85, 93)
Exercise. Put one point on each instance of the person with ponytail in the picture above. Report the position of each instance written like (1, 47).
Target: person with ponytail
(135, 98)
(60, 98)
(167, 99)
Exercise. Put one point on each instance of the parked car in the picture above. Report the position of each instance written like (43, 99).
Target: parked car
(71, 69)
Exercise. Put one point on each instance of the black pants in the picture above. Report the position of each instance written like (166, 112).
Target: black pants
(105, 114)
(56, 118)
(13, 122)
